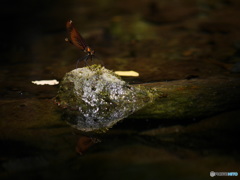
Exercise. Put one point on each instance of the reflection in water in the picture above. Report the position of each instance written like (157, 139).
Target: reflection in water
(84, 143)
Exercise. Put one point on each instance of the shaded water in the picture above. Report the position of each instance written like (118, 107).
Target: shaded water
(162, 41)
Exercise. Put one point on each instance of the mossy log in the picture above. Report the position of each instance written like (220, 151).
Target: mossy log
(192, 99)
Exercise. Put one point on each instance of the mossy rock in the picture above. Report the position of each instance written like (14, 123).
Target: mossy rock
(95, 98)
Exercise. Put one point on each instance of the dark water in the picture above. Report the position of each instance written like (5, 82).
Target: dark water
(162, 41)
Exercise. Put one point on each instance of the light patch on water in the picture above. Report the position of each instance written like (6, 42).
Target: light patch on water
(127, 73)
(46, 82)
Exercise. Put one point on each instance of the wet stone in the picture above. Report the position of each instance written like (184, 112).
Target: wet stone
(95, 98)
